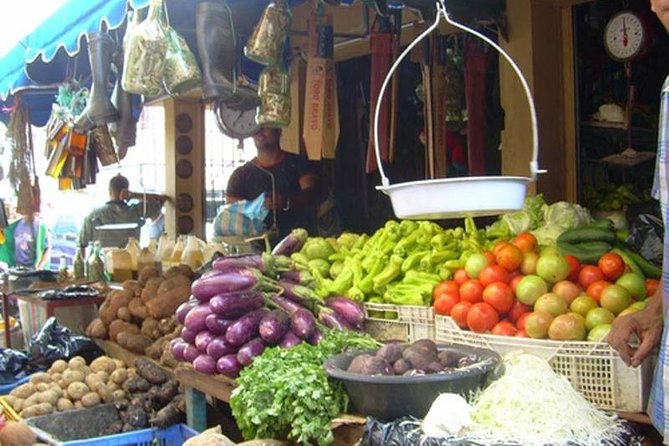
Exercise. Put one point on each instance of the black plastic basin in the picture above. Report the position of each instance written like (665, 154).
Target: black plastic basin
(392, 397)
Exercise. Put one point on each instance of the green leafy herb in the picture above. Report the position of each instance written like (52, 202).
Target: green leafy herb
(286, 394)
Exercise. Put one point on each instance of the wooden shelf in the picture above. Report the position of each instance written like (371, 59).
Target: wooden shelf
(113, 350)
(614, 126)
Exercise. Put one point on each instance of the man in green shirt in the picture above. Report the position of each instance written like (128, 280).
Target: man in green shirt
(118, 211)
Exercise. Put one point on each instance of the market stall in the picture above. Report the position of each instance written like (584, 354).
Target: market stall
(361, 328)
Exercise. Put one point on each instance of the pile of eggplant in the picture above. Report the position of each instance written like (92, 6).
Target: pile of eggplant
(245, 304)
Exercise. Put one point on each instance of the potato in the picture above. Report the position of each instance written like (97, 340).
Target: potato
(64, 404)
(77, 363)
(119, 326)
(119, 363)
(56, 388)
(134, 286)
(77, 390)
(151, 288)
(97, 329)
(93, 380)
(132, 372)
(50, 396)
(111, 385)
(123, 313)
(119, 395)
(106, 394)
(31, 400)
(41, 387)
(136, 343)
(62, 384)
(40, 378)
(55, 377)
(147, 273)
(18, 405)
(119, 376)
(78, 405)
(73, 376)
(58, 366)
(24, 390)
(90, 399)
(103, 363)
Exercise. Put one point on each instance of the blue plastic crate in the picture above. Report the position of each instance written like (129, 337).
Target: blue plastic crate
(6, 388)
(170, 436)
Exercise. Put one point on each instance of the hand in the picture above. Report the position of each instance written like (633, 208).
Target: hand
(646, 324)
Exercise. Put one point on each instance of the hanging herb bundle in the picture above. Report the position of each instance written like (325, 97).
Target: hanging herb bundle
(17, 142)
(71, 100)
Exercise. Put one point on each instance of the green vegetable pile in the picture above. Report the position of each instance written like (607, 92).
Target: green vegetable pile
(399, 264)
(613, 198)
(286, 394)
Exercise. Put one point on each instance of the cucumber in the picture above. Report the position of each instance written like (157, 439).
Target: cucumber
(649, 270)
(587, 234)
(585, 252)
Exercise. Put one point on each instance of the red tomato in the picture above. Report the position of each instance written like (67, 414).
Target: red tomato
(589, 274)
(520, 323)
(612, 265)
(574, 267)
(447, 286)
(517, 310)
(504, 328)
(595, 289)
(521, 334)
(651, 287)
(493, 273)
(509, 257)
(499, 295)
(526, 242)
(513, 283)
(459, 313)
(445, 302)
(490, 256)
(481, 317)
(497, 247)
(472, 291)
(460, 276)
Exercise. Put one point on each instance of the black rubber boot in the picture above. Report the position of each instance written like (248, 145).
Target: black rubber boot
(217, 46)
(99, 109)
(124, 130)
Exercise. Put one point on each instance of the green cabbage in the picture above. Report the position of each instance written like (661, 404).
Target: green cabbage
(567, 215)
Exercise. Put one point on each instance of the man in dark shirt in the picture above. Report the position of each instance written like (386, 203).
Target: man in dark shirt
(118, 211)
(292, 178)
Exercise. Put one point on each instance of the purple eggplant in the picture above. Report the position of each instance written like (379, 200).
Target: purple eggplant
(243, 261)
(285, 304)
(233, 305)
(184, 308)
(303, 323)
(301, 294)
(304, 278)
(205, 364)
(351, 311)
(217, 324)
(229, 366)
(196, 316)
(188, 335)
(177, 347)
(203, 339)
(219, 347)
(191, 352)
(231, 281)
(315, 338)
(274, 326)
(210, 273)
(333, 320)
(289, 340)
(245, 328)
(291, 243)
(250, 350)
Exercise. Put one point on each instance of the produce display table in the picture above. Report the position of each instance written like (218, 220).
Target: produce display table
(347, 429)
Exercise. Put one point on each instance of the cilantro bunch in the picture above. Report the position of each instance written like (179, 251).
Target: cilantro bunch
(286, 394)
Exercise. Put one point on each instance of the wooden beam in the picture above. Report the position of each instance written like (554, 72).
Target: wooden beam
(569, 109)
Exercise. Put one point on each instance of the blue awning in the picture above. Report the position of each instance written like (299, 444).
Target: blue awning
(61, 31)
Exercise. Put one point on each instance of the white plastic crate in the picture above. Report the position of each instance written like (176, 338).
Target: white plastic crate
(409, 322)
(593, 368)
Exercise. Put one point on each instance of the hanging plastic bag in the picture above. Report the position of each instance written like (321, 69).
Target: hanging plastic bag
(181, 73)
(245, 218)
(54, 341)
(144, 59)
(646, 237)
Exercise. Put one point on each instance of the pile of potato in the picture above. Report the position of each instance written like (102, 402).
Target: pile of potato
(72, 385)
(140, 316)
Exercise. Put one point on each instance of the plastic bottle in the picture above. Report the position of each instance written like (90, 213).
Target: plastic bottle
(164, 252)
(119, 264)
(178, 250)
(146, 258)
(96, 266)
(63, 275)
(192, 254)
(79, 268)
(133, 249)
